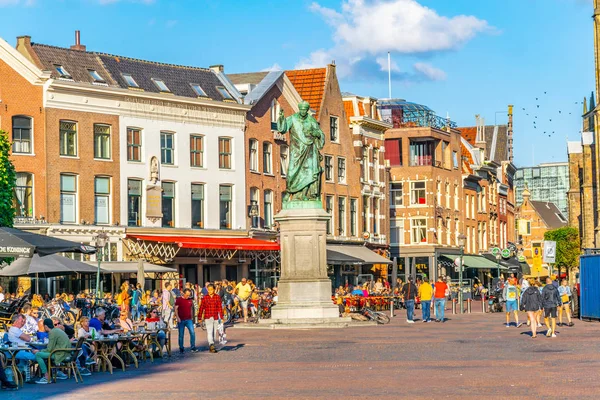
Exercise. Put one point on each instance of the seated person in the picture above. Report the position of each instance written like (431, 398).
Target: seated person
(153, 322)
(358, 291)
(100, 325)
(17, 337)
(68, 329)
(126, 323)
(31, 319)
(58, 339)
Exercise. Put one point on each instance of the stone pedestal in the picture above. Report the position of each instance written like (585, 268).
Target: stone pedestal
(304, 289)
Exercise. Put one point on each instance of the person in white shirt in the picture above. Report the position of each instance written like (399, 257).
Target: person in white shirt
(18, 338)
(1, 294)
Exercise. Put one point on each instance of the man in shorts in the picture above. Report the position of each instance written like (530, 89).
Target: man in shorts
(550, 302)
(243, 290)
(511, 294)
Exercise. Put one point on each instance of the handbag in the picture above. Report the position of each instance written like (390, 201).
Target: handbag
(564, 298)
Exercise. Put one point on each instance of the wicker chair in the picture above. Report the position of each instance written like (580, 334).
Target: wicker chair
(69, 363)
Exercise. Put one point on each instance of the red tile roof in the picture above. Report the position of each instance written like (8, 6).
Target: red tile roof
(361, 109)
(349, 108)
(469, 133)
(310, 84)
(467, 159)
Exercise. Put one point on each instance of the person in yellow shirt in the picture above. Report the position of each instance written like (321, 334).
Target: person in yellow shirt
(425, 295)
(243, 290)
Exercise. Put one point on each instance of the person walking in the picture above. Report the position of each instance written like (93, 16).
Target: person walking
(565, 294)
(531, 303)
(184, 311)
(243, 291)
(136, 299)
(440, 293)
(168, 302)
(409, 292)
(211, 311)
(511, 294)
(425, 294)
(550, 302)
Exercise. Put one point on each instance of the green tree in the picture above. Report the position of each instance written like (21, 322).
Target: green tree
(567, 246)
(7, 182)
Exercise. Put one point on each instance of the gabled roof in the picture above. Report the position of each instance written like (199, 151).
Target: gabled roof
(469, 133)
(253, 78)
(467, 159)
(549, 213)
(310, 84)
(177, 78)
(495, 137)
(349, 108)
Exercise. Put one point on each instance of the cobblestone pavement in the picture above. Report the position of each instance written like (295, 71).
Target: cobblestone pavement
(469, 356)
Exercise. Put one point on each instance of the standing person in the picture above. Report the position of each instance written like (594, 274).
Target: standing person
(205, 288)
(136, 299)
(531, 302)
(168, 302)
(184, 310)
(58, 339)
(550, 302)
(425, 294)
(565, 296)
(511, 295)
(409, 292)
(440, 293)
(211, 311)
(243, 290)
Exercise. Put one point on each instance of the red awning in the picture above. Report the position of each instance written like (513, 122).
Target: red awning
(224, 243)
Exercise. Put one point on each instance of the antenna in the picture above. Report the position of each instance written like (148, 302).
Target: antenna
(389, 75)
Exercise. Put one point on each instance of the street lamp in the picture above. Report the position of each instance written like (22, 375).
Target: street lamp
(461, 243)
(101, 239)
(498, 264)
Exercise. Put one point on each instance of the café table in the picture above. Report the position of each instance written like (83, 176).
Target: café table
(106, 350)
(12, 352)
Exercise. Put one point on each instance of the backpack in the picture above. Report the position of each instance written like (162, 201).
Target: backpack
(171, 299)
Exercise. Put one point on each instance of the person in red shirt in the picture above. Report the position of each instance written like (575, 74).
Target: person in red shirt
(440, 294)
(184, 307)
(211, 311)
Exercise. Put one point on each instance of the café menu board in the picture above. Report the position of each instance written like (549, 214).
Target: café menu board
(153, 202)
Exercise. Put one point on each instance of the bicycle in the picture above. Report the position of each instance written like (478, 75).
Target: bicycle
(376, 316)
(57, 310)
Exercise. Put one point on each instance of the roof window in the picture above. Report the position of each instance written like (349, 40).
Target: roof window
(130, 81)
(224, 93)
(160, 84)
(95, 76)
(198, 90)
(62, 71)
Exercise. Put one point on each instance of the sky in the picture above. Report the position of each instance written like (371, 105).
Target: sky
(458, 57)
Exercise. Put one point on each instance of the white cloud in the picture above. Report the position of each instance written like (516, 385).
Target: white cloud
(383, 64)
(364, 30)
(274, 67)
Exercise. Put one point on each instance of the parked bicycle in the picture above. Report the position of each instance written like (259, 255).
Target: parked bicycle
(376, 316)
(58, 310)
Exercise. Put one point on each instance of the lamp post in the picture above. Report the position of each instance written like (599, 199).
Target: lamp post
(461, 243)
(498, 264)
(101, 239)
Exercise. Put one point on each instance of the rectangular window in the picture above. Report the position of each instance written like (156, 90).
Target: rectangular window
(393, 151)
(62, 72)
(134, 202)
(417, 193)
(254, 210)
(102, 200)
(456, 197)
(342, 216)
(274, 114)
(225, 198)
(168, 204)
(418, 230)
(342, 170)
(95, 76)
(443, 154)
(23, 195)
(102, 141)
(161, 85)
(68, 138)
(167, 148)
(334, 129)
(376, 165)
(455, 159)
(397, 233)
(68, 199)
(224, 93)
(134, 144)
(329, 168)
(197, 151)
(329, 209)
(21, 135)
(375, 215)
(198, 90)
(396, 194)
(268, 203)
(421, 153)
(284, 158)
(267, 158)
(353, 217)
(224, 153)
(366, 212)
(130, 81)
(197, 206)
(253, 155)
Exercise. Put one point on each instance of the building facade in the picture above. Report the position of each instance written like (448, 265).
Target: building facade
(546, 182)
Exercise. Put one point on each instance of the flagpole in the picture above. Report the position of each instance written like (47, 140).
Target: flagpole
(389, 76)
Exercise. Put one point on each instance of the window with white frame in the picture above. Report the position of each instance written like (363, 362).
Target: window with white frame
(22, 135)
(225, 153)
(353, 217)
(267, 158)
(365, 163)
(417, 193)
(418, 230)
(274, 113)
(467, 209)
(253, 154)
(439, 230)
(102, 200)
(225, 199)
(397, 233)
(456, 197)
(456, 231)
(341, 170)
(102, 141)
(134, 144)
(134, 202)
(396, 194)
(167, 148)
(473, 206)
(329, 168)
(68, 199)
(342, 216)
(68, 138)
(268, 203)
(254, 196)
(197, 151)
(168, 204)
(447, 190)
(438, 193)
(329, 209)
(197, 205)
(376, 165)
(23, 195)
(334, 132)
(284, 158)
(448, 231)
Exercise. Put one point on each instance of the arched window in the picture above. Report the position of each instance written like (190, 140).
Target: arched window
(22, 135)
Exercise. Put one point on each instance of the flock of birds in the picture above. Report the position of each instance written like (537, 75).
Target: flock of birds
(534, 114)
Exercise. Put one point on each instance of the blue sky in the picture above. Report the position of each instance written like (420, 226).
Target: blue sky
(462, 57)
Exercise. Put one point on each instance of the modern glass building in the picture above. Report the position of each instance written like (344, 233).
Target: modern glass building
(546, 182)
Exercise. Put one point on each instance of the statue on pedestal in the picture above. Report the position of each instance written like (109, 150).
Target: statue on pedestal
(306, 139)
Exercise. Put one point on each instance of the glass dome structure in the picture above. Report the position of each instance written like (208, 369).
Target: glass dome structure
(404, 114)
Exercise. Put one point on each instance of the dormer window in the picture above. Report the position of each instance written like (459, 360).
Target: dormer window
(95, 76)
(160, 84)
(130, 81)
(62, 72)
(198, 90)
(224, 93)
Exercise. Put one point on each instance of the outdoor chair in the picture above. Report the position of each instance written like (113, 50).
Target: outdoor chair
(69, 364)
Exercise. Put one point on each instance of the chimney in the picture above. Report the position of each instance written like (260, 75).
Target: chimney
(78, 45)
(218, 68)
(509, 133)
(24, 47)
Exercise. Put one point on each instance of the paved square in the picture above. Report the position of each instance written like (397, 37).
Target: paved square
(470, 356)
